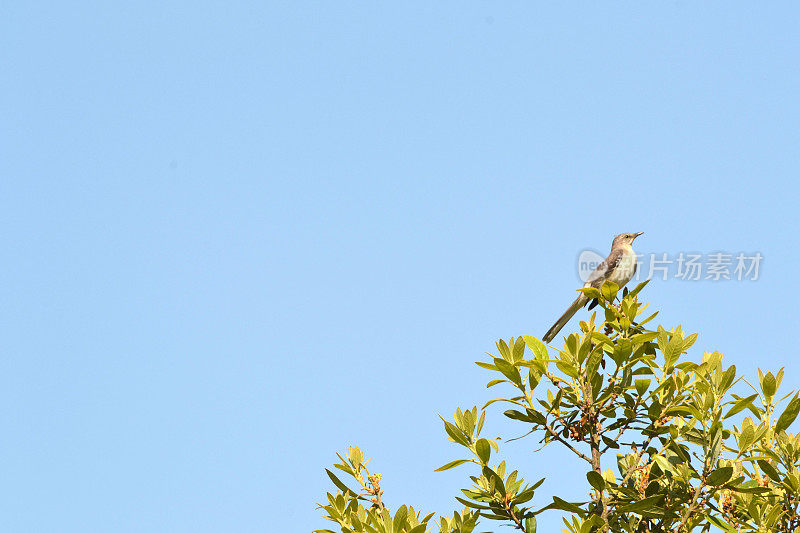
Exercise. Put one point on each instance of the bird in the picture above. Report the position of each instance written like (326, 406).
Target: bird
(619, 267)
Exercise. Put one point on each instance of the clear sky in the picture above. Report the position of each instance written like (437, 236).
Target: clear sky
(239, 237)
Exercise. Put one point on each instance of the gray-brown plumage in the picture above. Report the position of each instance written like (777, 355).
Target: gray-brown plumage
(619, 267)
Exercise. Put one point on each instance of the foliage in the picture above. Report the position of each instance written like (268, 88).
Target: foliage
(693, 447)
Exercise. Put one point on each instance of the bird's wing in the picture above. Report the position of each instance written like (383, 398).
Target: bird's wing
(604, 269)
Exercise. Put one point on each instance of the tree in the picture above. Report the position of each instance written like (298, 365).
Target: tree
(695, 447)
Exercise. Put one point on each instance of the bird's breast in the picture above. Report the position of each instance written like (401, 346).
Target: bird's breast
(625, 269)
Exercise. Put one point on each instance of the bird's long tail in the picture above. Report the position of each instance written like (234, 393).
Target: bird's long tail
(579, 302)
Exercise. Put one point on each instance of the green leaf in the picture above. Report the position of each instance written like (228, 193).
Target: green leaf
(601, 338)
(773, 515)
(480, 423)
(517, 415)
(567, 369)
(341, 486)
(493, 400)
(688, 341)
(638, 288)
(399, 518)
(593, 523)
(609, 290)
(641, 386)
(740, 405)
(769, 386)
(536, 417)
(522, 497)
(572, 345)
(719, 476)
(641, 505)
(451, 464)
(716, 442)
(641, 338)
(788, 415)
(518, 350)
(533, 378)
(583, 349)
(530, 524)
(750, 490)
(537, 347)
(769, 470)
(590, 292)
(564, 505)
(727, 378)
(483, 450)
(746, 438)
(508, 370)
(671, 351)
(473, 504)
(622, 350)
(684, 410)
(611, 443)
(594, 361)
(648, 319)
(455, 433)
(388, 526)
(493, 516)
(664, 464)
(724, 526)
(596, 480)
(495, 480)
(502, 347)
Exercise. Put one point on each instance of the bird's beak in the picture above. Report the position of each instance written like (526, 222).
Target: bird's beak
(637, 234)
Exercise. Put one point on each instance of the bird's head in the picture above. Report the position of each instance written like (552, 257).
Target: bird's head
(625, 239)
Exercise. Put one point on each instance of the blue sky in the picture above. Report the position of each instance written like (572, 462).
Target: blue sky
(240, 237)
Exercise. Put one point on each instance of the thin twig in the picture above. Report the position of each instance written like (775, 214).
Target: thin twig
(567, 444)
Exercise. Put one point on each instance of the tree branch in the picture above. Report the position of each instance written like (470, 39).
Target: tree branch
(558, 437)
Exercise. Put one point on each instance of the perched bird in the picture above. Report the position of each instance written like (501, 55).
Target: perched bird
(619, 267)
